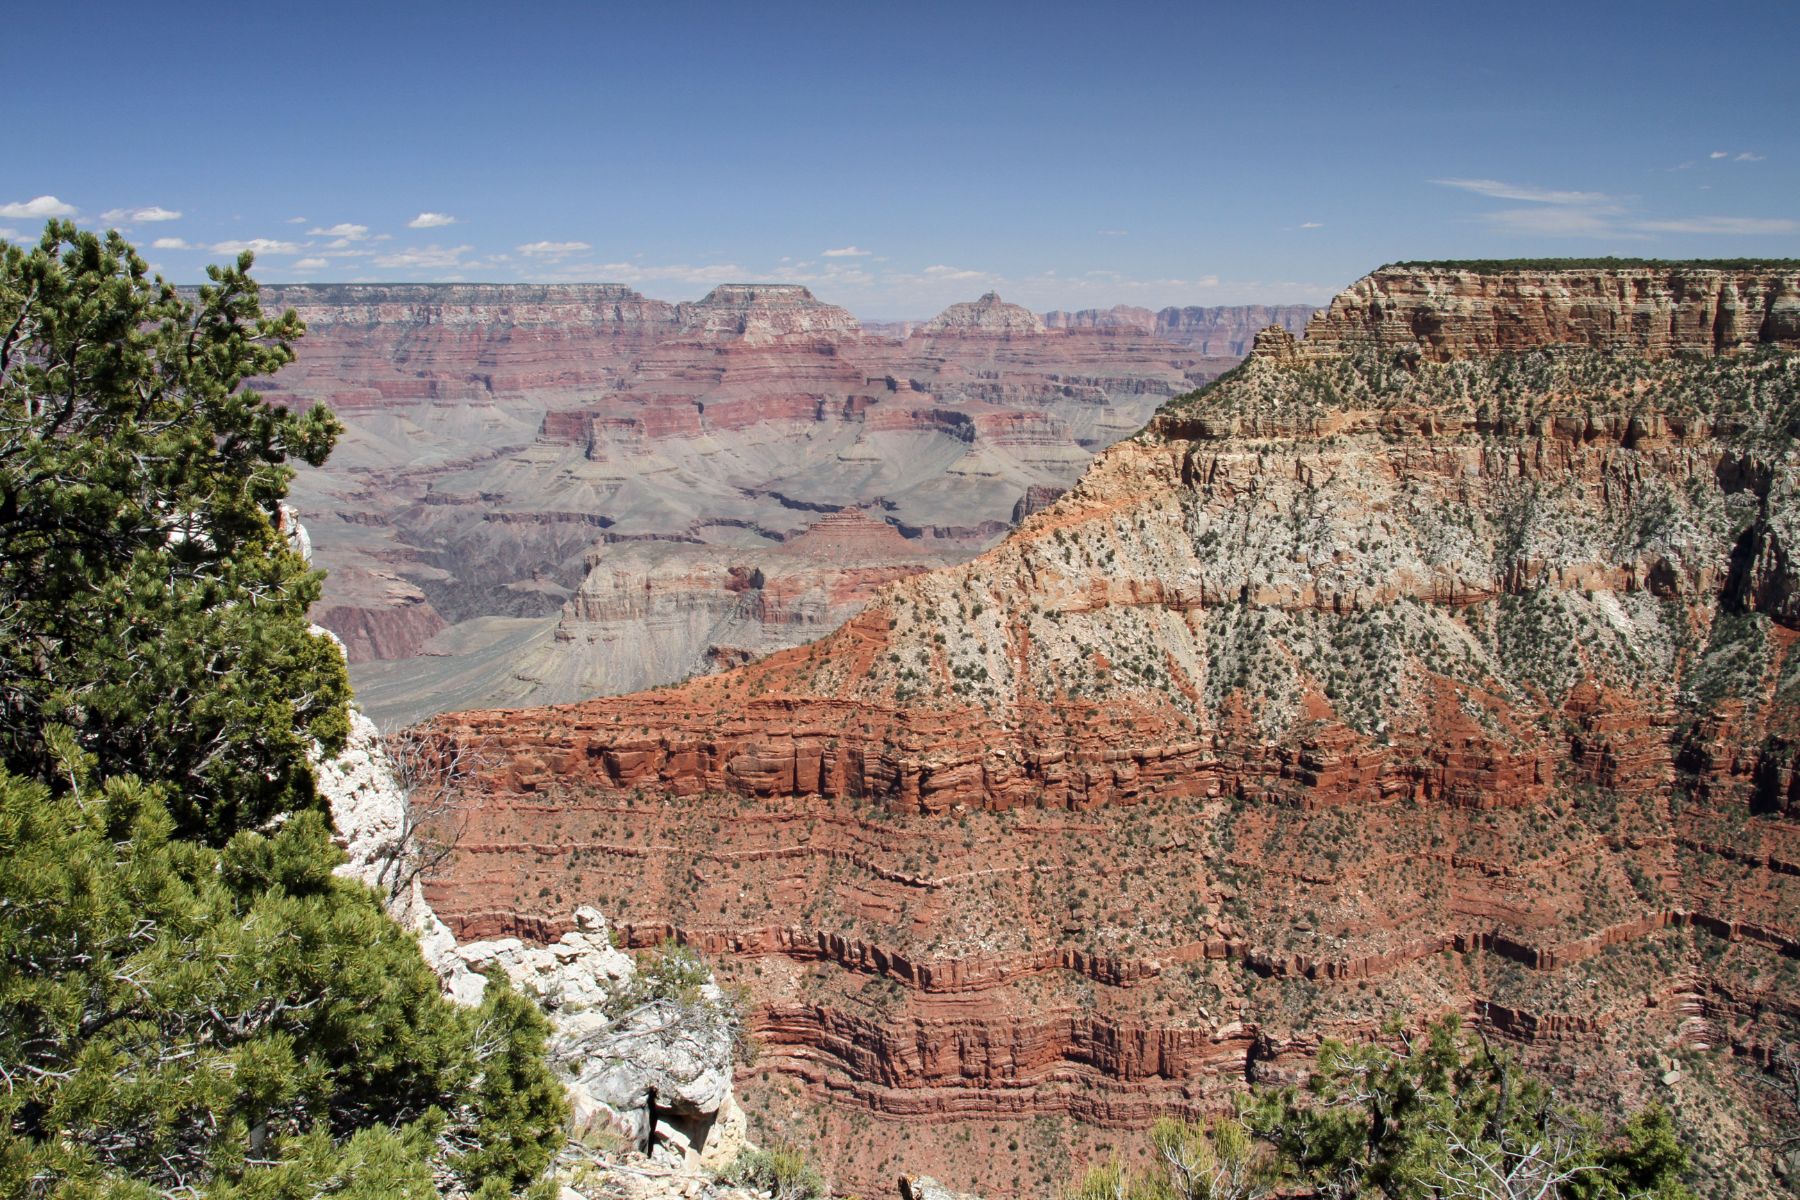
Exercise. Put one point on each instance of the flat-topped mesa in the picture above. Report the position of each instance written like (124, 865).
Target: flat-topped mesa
(1119, 316)
(487, 305)
(763, 312)
(1655, 309)
(1222, 331)
(990, 316)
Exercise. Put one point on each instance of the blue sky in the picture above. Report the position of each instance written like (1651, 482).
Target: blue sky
(897, 157)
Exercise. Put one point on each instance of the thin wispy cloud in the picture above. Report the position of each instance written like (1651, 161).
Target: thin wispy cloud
(431, 220)
(693, 276)
(832, 277)
(1597, 215)
(1557, 220)
(1721, 225)
(846, 252)
(152, 213)
(311, 264)
(942, 272)
(552, 249)
(40, 208)
(255, 246)
(1312, 225)
(424, 258)
(1114, 232)
(296, 220)
(344, 231)
(1746, 156)
(1494, 189)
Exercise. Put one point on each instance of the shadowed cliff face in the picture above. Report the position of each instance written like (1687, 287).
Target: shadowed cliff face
(1359, 683)
(517, 458)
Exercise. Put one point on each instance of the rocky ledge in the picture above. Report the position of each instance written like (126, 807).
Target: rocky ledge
(1445, 311)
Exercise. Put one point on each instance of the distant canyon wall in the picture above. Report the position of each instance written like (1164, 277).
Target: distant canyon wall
(1225, 331)
(547, 492)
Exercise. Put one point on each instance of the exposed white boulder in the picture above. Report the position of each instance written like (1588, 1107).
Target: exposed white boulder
(655, 1068)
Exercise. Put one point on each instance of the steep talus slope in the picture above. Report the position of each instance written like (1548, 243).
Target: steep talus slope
(514, 452)
(1359, 683)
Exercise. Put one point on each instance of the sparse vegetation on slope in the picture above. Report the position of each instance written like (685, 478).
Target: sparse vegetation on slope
(1443, 1115)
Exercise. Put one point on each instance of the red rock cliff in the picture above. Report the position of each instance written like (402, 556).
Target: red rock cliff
(1448, 312)
(1349, 688)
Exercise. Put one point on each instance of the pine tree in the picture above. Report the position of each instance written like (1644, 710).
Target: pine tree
(148, 601)
(191, 1001)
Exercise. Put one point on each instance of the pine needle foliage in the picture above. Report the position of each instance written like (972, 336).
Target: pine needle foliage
(1440, 1116)
(148, 601)
(191, 1001)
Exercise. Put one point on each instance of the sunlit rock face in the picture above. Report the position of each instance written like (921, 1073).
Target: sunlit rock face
(1424, 665)
(516, 457)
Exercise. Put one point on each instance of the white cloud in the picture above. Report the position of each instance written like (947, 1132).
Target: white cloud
(38, 208)
(1312, 225)
(427, 258)
(9, 235)
(255, 246)
(552, 249)
(344, 231)
(1557, 220)
(1727, 225)
(831, 276)
(1496, 190)
(154, 212)
(940, 271)
(296, 220)
(694, 276)
(311, 264)
(1553, 212)
(1746, 156)
(846, 252)
(172, 243)
(431, 220)
(1720, 154)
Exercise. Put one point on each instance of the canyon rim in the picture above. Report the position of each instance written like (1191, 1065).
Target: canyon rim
(1439, 661)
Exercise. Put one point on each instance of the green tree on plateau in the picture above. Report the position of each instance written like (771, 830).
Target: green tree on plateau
(190, 1001)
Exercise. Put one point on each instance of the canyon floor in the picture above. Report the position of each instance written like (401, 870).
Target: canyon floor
(550, 493)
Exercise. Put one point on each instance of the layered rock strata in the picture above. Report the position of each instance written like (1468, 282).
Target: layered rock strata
(1225, 330)
(514, 456)
(653, 1069)
(1359, 684)
(1448, 312)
